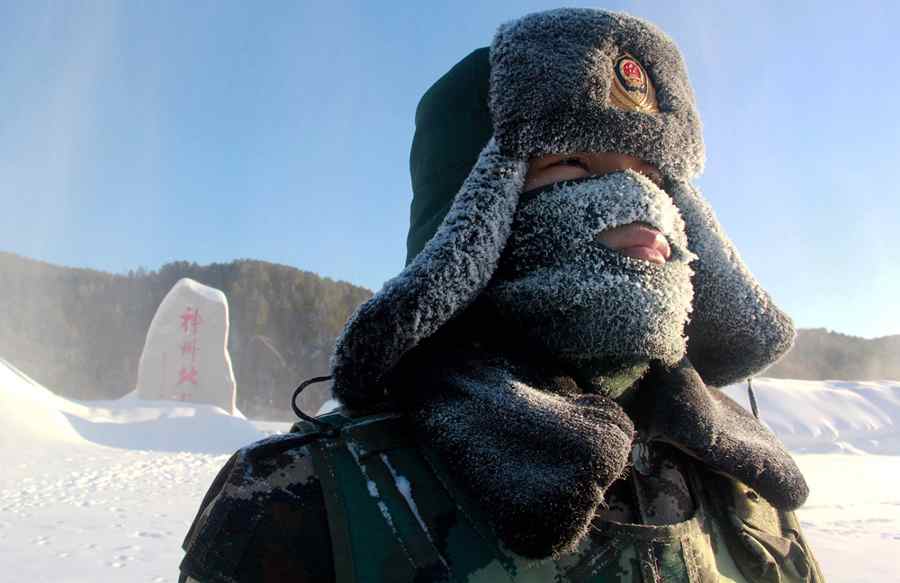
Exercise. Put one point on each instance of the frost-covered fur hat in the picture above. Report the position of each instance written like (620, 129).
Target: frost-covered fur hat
(555, 82)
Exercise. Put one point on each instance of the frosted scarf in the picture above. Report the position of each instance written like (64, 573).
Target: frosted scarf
(581, 301)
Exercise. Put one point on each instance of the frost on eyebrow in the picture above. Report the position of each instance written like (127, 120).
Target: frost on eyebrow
(544, 170)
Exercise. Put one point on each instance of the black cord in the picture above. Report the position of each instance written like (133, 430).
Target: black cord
(752, 395)
(326, 428)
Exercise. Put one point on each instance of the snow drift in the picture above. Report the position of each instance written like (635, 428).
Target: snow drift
(828, 416)
(33, 418)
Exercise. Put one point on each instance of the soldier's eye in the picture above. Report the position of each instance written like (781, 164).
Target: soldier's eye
(572, 162)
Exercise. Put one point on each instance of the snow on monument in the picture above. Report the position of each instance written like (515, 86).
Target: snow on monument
(185, 355)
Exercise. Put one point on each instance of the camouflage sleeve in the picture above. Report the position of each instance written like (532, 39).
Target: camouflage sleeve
(263, 520)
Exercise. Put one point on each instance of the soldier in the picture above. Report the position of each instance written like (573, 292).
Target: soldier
(532, 398)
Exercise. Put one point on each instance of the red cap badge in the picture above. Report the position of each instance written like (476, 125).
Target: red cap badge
(631, 88)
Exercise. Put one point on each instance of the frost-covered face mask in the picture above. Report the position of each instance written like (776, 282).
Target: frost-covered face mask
(581, 301)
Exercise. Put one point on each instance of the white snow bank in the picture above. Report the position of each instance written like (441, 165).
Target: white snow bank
(33, 418)
(30, 415)
(828, 416)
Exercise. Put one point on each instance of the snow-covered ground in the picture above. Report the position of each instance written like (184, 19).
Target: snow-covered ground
(105, 491)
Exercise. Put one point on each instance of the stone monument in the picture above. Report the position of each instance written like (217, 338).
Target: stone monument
(185, 355)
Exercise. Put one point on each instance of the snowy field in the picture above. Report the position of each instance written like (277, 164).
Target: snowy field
(104, 492)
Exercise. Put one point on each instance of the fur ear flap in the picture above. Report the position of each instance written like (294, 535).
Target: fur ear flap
(452, 269)
(736, 329)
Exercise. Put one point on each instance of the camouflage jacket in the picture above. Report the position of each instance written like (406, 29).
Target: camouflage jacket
(369, 505)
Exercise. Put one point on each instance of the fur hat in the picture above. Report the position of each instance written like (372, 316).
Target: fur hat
(555, 82)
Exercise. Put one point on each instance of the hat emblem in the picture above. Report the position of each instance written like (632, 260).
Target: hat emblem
(631, 88)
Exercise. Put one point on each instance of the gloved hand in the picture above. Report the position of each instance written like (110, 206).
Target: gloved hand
(536, 460)
(674, 405)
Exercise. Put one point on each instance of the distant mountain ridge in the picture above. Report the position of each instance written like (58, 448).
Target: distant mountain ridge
(821, 354)
(81, 331)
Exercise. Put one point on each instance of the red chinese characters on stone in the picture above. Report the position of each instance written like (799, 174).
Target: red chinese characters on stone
(188, 376)
(190, 325)
(189, 347)
(191, 320)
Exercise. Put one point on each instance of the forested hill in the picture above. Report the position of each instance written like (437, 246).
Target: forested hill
(820, 354)
(81, 331)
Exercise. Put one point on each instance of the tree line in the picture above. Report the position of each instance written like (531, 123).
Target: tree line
(80, 332)
(820, 354)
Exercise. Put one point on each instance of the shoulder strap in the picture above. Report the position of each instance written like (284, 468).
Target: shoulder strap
(412, 535)
(393, 514)
(375, 535)
(338, 521)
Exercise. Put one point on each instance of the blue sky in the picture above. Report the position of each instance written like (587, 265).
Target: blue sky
(137, 133)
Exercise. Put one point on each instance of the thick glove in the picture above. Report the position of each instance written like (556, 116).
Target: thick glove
(674, 405)
(535, 461)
